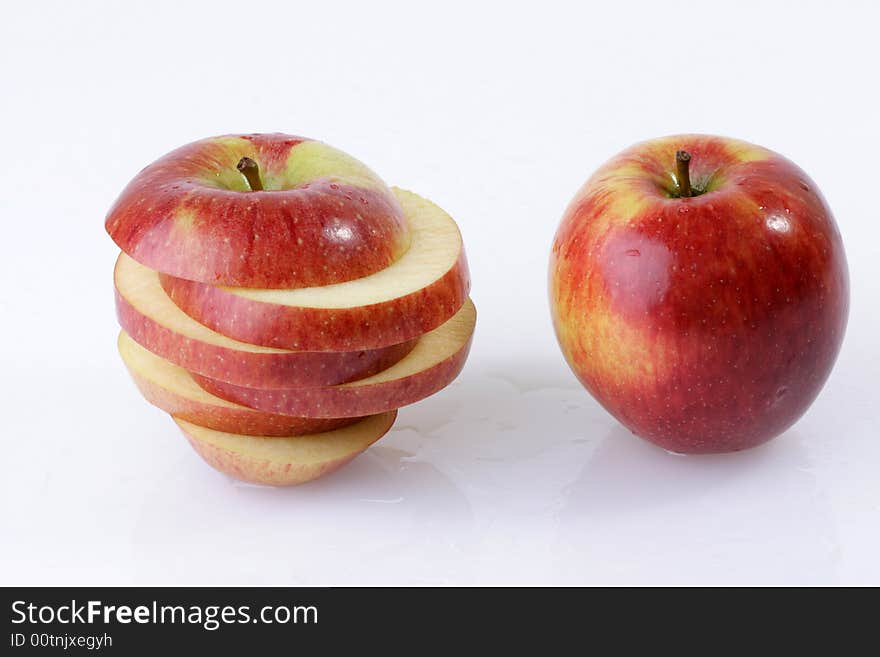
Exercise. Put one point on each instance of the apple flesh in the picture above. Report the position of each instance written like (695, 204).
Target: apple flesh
(417, 293)
(706, 323)
(172, 389)
(151, 319)
(322, 217)
(284, 461)
(432, 365)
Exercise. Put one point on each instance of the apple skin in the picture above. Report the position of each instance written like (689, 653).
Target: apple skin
(323, 218)
(172, 389)
(278, 369)
(704, 324)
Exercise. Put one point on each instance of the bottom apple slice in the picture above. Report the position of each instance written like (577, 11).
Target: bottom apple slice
(172, 389)
(435, 361)
(284, 461)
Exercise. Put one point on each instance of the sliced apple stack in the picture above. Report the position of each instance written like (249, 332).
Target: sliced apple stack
(281, 303)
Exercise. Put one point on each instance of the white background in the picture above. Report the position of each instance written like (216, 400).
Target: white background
(514, 475)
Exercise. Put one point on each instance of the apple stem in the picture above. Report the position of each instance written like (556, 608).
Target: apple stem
(251, 172)
(682, 166)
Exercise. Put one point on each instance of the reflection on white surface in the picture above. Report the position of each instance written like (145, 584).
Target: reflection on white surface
(719, 512)
(507, 477)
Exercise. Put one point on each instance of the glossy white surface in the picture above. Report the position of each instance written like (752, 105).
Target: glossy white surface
(513, 475)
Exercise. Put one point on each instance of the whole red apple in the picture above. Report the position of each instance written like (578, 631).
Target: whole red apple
(699, 291)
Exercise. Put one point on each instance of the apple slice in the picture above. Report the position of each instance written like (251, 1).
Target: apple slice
(412, 296)
(172, 389)
(270, 210)
(284, 461)
(432, 365)
(151, 318)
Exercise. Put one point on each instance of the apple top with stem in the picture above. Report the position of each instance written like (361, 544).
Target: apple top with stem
(261, 210)
(699, 290)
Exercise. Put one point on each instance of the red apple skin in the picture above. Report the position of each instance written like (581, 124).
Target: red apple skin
(704, 324)
(286, 369)
(344, 401)
(323, 329)
(187, 215)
